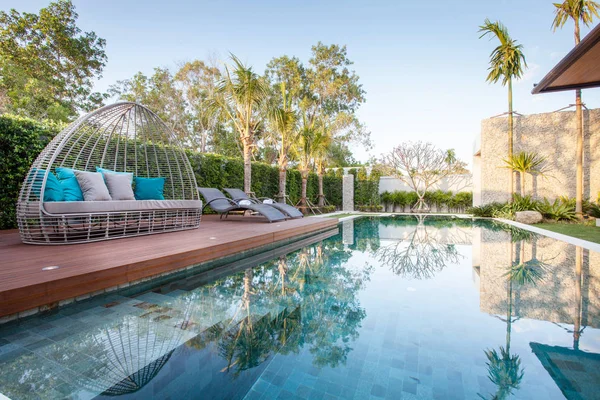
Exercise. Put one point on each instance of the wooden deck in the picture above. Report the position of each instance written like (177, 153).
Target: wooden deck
(92, 267)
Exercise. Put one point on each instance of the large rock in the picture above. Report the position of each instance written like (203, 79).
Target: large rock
(528, 217)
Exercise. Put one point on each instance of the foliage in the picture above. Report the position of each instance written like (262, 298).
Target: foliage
(526, 163)
(21, 140)
(577, 10)
(438, 198)
(486, 210)
(559, 210)
(507, 60)
(47, 65)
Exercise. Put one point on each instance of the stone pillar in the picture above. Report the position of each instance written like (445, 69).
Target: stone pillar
(348, 193)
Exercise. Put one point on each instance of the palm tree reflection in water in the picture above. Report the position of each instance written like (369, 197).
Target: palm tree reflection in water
(310, 301)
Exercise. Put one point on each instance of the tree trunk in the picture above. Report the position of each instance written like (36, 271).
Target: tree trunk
(247, 166)
(282, 183)
(304, 175)
(203, 143)
(321, 202)
(579, 156)
(510, 136)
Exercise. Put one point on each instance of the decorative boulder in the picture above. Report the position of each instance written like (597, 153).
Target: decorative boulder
(528, 217)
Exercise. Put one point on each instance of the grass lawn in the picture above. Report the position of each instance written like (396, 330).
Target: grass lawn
(339, 215)
(580, 231)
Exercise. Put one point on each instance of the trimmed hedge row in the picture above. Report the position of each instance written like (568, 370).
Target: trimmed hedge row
(21, 140)
(439, 200)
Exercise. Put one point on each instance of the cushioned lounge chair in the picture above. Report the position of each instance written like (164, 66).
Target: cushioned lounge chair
(224, 205)
(238, 194)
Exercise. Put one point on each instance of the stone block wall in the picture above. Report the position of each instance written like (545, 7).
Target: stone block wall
(552, 135)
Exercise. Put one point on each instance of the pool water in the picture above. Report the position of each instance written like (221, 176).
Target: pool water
(395, 308)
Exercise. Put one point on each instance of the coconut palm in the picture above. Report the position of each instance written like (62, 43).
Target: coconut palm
(283, 122)
(526, 163)
(310, 148)
(321, 152)
(507, 62)
(241, 94)
(579, 11)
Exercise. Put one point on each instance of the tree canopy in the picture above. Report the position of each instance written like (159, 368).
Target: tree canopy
(47, 64)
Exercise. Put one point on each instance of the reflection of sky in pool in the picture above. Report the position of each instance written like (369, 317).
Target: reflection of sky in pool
(391, 307)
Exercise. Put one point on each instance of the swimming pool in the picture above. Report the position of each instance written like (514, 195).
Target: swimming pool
(393, 307)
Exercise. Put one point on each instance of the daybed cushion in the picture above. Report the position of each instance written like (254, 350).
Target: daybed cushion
(92, 186)
(104, 171)
(53, 190)
(119, 186)
(84, 207)
(149, 188)
(69, 183)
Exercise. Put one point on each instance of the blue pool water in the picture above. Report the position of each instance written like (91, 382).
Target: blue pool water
(394, 308)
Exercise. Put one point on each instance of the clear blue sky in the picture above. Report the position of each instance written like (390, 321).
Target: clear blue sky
(421, 63)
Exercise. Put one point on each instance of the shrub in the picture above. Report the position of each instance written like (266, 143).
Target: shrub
(486, 210)
(437, 198)
(559, 210)
(21, 140)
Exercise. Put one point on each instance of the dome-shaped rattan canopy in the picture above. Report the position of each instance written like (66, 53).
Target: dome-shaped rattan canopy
(121, 137)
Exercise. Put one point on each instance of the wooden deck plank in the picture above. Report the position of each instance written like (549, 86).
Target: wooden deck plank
(90, 267)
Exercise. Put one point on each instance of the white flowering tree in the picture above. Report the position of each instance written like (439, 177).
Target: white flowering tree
(420, 166)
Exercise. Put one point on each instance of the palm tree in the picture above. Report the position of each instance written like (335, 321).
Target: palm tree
(321, 153)
(304, 153)
(526, 163)
(240, 94)
(283, 121)
(507, 61)
(579, 11)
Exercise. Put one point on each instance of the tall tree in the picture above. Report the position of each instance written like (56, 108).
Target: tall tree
(47, 65)
(579, 11)
(288, 78)
(507, 62)
(240, 95)
(159, 93)
(198, 82)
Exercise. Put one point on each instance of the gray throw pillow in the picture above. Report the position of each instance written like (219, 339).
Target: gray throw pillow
(119, 186)
(92, 186)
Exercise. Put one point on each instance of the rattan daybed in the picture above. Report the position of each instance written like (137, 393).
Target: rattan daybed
(123, 138)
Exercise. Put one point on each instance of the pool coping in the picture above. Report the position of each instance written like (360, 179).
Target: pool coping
(586, 244)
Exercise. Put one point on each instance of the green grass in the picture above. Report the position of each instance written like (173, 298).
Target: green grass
(580, 231)
(339, 215)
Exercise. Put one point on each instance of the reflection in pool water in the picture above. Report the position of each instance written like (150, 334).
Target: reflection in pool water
(397, 307)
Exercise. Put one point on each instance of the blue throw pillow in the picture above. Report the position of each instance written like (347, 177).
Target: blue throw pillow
(69, 183)
(149, 188)
(53, 190)
(103, 170)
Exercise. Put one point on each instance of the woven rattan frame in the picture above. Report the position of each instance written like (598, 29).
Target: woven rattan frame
(123, 137)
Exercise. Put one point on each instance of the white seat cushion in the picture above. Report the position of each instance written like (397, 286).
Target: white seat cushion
(84, 207)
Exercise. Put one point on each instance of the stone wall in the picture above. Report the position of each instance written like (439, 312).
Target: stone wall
(552, 135)
(348, 193)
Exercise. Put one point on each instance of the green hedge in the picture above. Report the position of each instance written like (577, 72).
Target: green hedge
(21, 140)
(366, 189)
(439, 199)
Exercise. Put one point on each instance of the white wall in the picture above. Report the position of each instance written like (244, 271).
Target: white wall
(454, 183)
